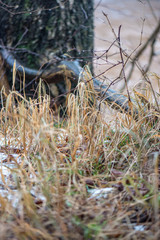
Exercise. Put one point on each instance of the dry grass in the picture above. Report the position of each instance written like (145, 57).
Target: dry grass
(61, 159)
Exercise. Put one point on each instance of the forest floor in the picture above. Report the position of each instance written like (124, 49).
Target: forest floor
(85, 176)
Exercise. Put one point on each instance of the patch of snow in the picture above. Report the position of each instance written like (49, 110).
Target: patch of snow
(13, 197)
(37, 195)
(139, 228)
(99, 193)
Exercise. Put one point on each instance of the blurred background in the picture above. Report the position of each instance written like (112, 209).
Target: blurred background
(138, 19)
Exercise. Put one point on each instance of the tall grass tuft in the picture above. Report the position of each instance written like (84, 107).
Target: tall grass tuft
(61, 160)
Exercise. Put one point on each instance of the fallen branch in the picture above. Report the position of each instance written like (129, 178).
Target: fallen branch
(73, 69)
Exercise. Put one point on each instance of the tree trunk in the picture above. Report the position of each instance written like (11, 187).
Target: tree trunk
(38, 32)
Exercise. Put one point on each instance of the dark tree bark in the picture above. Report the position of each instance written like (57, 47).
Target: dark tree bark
(37, 32)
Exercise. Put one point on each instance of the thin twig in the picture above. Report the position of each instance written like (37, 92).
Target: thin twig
(122, 60)
(129, 57)
(20, 40)
(152, 11)
(110, 24)
(152, 37)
